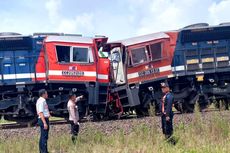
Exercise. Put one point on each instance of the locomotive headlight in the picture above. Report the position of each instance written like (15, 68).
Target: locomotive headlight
(74, 89)
(60, 88)
(211, 80)
(150, 88)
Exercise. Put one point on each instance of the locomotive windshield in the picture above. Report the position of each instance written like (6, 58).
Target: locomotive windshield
(80, 54)
(68, 54)
(139, 56)
(156, 51)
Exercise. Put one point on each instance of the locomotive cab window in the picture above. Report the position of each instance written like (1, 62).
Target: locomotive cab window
(156, 51)
(63, 54)
(81, 55)
(139, 55)
(67, 54)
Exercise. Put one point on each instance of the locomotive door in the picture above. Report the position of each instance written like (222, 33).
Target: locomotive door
(22, 66)
(117, 66)
(8, 67)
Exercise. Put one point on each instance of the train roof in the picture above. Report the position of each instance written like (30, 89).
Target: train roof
(201, 26)
(73, 39)
(141, 39)
(14, 36)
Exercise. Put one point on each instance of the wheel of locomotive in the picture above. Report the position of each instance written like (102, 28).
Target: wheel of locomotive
(191, 101)
(178, 106)
(142, 111)
(97, 117)
(203, 102)
(139, 111)
(146, 101)
(184, 106)
(188, 108)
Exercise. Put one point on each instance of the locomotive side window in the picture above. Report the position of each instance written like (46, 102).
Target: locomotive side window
(81, 55)
(139, 55)
(156, 51)
(63, 54)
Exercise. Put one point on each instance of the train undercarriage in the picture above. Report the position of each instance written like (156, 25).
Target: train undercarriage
(188, 92)
(20, 105)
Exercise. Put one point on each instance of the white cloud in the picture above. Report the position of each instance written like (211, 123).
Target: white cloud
(53, 6)
(79, 24)
(121, 19)
(219, 12)
(163, 15)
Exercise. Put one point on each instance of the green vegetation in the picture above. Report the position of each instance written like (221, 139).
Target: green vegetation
(2, 121)
(199, 136)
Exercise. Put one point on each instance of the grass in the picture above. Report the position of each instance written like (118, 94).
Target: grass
(212, 136)
(2, 121)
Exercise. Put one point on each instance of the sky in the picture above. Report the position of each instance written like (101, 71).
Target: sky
(116, 19)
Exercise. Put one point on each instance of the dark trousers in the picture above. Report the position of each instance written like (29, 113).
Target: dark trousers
(74, 131)
(43, 136)
(167, 126)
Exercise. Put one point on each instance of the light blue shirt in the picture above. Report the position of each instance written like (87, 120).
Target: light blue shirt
(42, 107)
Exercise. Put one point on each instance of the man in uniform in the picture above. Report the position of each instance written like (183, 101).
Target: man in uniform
(166, 111)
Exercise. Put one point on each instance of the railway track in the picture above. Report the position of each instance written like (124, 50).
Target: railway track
(26, 125)
(62, 121)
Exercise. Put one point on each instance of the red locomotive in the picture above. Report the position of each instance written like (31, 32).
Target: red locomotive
(57, 62)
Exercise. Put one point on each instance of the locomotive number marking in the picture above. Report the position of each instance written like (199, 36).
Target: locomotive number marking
(72, 73)
(148, 72)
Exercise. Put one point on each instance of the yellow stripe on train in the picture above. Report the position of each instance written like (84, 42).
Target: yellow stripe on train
(222, 58)
(207, 60)
(192, 61)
